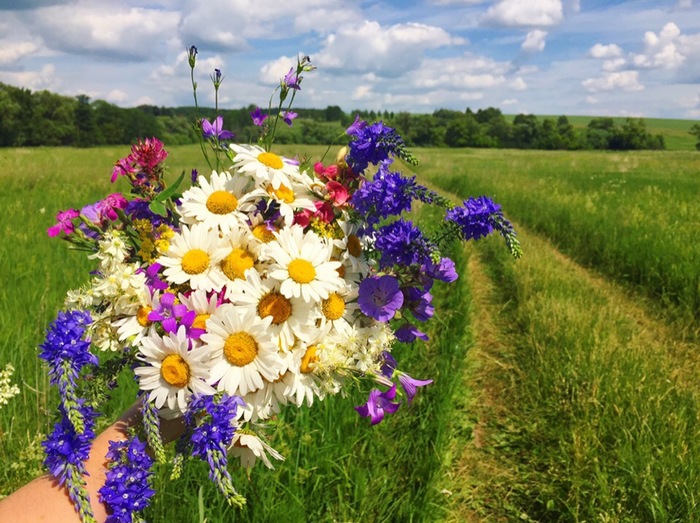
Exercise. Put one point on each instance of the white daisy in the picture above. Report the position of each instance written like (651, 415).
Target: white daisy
(134, 327)
(193, 257)
(221, 202)
(244, 354)
(203, 306)
(249, 448)
(243, 253)
(302, 262)
(291, 318)
(259, 405)
(172, 372)
(266, 167)
(350, 247)
(292, 198)
(262, 231)
(301, 382)
(336, 312)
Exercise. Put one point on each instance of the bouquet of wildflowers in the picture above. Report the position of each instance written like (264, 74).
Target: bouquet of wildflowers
(268, 283)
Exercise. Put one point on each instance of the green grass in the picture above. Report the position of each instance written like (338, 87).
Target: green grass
(589, 417)
(632, 216)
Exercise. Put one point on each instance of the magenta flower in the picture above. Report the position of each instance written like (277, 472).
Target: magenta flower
(215, 130)
(378, 404)
(148, 154)
(258, 117)
(107, 208)
(64, 223)
(337, 193)
(380, 297)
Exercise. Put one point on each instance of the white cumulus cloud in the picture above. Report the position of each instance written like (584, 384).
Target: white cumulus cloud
(605, 51)
(534, 41)
(388, 51)
(625, 80)
(128, 33)
(662, 50)
(525, 13)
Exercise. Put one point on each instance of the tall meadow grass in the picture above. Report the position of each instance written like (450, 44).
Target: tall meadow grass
(632, 216)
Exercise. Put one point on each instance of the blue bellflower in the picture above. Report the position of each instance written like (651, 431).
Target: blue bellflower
(378, 404)
(215, 130)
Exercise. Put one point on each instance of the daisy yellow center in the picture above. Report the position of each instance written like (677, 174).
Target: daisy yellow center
(275, 305)
(175, 370)
(310, 357)
(236, 263)
(195, 261)
(222, 202)
(284, 193)
(354, 246)
(240, 348)
(142, 316)
(200, 321)
(271, 160)
(301, 271)
(262, 233)
(333, 307)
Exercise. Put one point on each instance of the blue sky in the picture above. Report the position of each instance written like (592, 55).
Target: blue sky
(590, 57)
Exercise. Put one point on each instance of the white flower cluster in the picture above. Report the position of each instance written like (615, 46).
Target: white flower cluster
(7, 389)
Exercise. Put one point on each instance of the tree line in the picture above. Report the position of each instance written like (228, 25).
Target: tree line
(43, 118)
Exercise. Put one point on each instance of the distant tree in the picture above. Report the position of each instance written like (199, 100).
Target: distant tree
(86, 130)
(333, 113)
(526, 131)
(566, 133)
(695, 131)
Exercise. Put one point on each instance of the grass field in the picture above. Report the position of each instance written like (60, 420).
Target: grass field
(565, 382)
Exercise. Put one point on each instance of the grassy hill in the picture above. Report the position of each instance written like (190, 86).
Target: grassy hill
(675, 132)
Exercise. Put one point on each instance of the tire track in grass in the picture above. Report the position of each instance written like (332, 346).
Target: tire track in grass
(582, 407)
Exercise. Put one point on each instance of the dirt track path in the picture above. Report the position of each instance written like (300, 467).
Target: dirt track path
(477, 479)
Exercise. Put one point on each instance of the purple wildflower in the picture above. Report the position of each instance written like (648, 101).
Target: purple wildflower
(388, 194)
(380, 297)
(64, 223)
(378, 404)
(408, 333)
(64, 349)
(356, 127)
(475, 217)
(389, 365)
(373, 144)
(402, 243)
(288, 116)
(410, 385)
(215, 130)
(258, 117)
(444, 270)
(127, 488)
(418, 301)
(192, 55)
(212, 427)
(65, 447)
(167, 312)
(291, 80)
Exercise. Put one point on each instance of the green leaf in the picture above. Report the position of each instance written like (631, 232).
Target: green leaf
(167, 193)
(158, 208)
